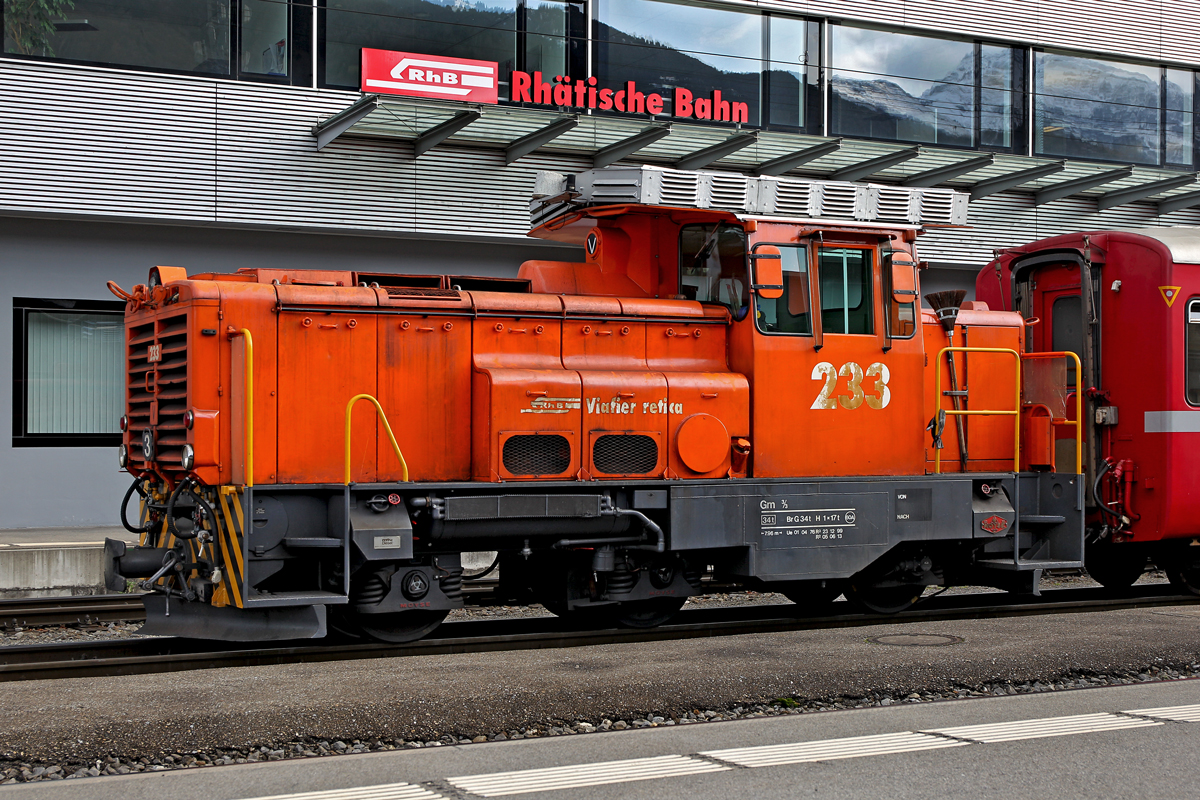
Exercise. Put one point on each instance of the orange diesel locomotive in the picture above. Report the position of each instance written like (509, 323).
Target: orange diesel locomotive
(739, 380)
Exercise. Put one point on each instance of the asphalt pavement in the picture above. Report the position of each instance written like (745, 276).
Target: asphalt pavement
(1129, 741)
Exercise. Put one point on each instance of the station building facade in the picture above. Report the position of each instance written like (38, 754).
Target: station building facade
(223, 134)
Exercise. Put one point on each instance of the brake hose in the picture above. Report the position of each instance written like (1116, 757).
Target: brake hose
(135, 486)
(180, 487)
(1104, 509)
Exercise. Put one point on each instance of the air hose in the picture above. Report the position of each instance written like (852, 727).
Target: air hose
(1104, 509)
(183, 486)
(135, 486)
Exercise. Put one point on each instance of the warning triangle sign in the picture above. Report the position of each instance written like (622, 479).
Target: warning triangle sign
(1169, 293)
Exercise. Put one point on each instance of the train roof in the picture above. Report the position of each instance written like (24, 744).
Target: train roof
(1181, 242)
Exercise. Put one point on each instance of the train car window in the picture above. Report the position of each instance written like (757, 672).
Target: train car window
(712, 266)
(1066, 329)
(789, 313)
(845, 274)
(1193, 353)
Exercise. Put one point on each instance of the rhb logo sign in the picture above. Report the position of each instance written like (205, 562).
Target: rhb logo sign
(417, 75)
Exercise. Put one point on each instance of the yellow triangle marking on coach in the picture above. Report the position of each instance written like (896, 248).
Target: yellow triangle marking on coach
(1169, 293)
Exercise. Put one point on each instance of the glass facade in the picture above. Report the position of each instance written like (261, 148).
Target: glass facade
(878, 84)
(749, 57)
(1111, 111)
(908, 88)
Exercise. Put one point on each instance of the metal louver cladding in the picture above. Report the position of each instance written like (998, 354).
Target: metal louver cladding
(625, 454)
(757, 196)
(537, 454)
(157, 353)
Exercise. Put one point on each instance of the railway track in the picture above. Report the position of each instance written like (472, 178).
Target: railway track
(141, 656)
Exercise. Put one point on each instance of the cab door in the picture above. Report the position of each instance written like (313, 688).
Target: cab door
(837, 368)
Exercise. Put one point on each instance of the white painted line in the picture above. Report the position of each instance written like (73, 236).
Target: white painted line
(388, 791)
(1172, 713)
(830, 749)
(1042, 728)
(498, 784)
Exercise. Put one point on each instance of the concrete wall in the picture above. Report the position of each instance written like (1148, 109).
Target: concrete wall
(71, 486)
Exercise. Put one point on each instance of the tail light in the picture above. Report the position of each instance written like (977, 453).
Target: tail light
(124, 423)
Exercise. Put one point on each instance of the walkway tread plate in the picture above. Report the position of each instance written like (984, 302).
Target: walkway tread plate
(1043, 728)
(831, 749)
(499, 784)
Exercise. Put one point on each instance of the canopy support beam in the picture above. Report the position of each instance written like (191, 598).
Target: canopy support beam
(530, 142)
(627, 147)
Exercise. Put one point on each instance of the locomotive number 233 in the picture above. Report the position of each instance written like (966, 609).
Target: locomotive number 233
(855, 395)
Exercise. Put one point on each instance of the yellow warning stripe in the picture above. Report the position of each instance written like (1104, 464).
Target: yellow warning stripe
(231, 551)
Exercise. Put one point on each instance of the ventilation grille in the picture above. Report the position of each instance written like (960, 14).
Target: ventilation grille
(625, 454)
(164, 380)
(529, 454)
(412, 291)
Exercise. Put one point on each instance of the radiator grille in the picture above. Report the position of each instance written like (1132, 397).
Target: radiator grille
(164, 383)
(625, 454)
(530, 454)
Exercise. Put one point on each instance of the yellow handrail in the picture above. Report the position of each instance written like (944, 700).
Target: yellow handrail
(386, 427)
(1016, 412)
(1078, 421)
(248, 435)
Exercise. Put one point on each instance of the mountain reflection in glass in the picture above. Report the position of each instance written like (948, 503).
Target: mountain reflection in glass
(485, 30)
(907, 88)
(664, 45)
(1087, 108)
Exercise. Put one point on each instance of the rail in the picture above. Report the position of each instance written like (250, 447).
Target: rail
(1077, 423)
(1015, 413)
(383, 418)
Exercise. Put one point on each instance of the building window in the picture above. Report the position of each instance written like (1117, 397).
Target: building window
(68, 372)
(527, 35)
(909, 88)
(1112, 111)
(751, 58)
(189, 36)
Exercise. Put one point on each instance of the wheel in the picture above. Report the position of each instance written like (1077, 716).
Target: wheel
(396, 627)
(810, 596)
(1114, 566)
(643, 613)
(1185, 579)
(884, 599)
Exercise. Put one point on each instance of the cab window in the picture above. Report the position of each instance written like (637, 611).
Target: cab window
(1193, 352)
(791, 312)
(712, 266)
(845, 274)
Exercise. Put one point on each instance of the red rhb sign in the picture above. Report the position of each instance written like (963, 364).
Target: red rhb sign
(416, 75)
(994, 524)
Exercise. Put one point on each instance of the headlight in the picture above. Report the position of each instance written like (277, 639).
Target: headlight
(123, 456)
(189, 456)
(189, 418)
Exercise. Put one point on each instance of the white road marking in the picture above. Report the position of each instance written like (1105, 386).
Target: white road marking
(1172, 713)
(1041, 728)
(389, 791)
(830, 749)
(498, 784)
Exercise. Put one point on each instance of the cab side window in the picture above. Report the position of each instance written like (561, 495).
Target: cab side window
(790, 313)
(712, 266)
(846, 278)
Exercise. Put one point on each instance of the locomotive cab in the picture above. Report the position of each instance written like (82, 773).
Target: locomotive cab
(737, 385)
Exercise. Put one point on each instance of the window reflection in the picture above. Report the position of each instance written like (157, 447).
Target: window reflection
(900, 86)
(791, 312)
(485, 30)
(1180, 87)
(179, 35)
(663, 45)
(845, 280)
(264, 31)
(712, 266)
(1087, 108)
